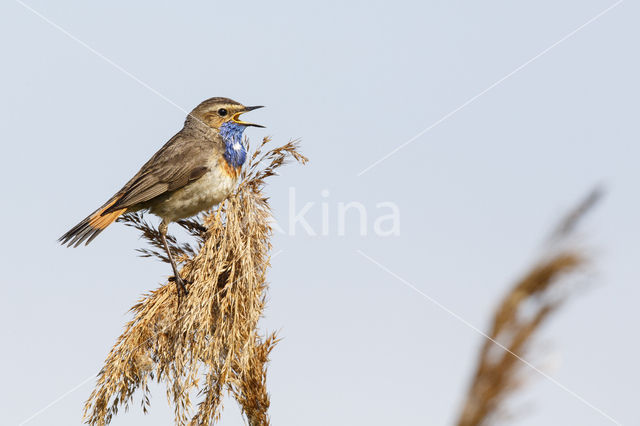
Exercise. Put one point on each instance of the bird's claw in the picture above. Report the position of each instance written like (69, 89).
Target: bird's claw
(181, 283)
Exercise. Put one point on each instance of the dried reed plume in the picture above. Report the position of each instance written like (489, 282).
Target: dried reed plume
(207, 342)
(520, 314)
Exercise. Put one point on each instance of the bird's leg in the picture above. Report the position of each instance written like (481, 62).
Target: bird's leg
(163, 234)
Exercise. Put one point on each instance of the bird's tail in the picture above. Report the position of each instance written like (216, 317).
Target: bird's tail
(92, 225)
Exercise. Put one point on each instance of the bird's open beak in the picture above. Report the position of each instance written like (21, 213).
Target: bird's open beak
(236, 116)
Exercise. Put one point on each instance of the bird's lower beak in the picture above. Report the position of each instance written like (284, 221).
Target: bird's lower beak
(236, 117)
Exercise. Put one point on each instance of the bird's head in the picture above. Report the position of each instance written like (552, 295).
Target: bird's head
(215, 112)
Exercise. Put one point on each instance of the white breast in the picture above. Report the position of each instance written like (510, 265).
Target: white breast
(200, 195)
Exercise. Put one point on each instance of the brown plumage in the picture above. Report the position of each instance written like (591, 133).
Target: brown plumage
(189, 174)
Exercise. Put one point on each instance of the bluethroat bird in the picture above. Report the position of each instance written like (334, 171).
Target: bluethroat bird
(197, 169)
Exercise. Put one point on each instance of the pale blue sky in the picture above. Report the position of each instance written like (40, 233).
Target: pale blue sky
(477, 193)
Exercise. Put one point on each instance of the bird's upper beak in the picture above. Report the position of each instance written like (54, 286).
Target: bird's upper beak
(236, 116)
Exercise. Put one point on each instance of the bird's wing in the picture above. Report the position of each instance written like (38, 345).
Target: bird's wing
(180, 161)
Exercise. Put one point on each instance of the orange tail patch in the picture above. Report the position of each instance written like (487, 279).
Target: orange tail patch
(98, 220)
(91, 226)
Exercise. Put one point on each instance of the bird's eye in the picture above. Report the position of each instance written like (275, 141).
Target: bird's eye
(222, 112)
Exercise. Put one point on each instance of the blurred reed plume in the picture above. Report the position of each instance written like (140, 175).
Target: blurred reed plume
(206, 342)
(526, 306)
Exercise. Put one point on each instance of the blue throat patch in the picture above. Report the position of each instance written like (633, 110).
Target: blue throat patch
(235, 153)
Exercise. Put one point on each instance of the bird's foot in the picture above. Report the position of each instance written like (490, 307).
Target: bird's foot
(181, 284)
